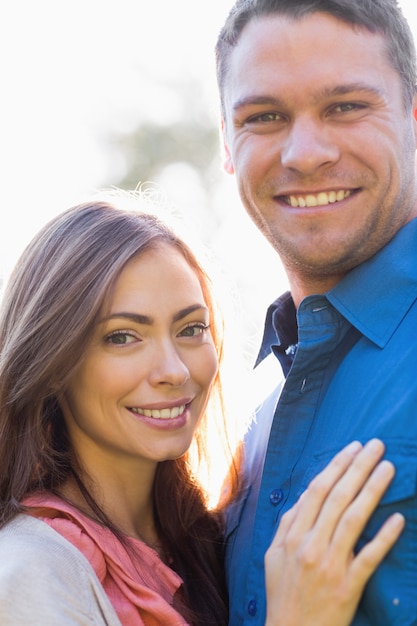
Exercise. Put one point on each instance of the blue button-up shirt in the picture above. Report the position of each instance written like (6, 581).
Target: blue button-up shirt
(353, 376)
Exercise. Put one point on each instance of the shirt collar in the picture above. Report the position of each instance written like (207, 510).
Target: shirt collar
(373, 297)
(280, 326)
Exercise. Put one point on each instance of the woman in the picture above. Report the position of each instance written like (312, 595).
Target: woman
(109, 380)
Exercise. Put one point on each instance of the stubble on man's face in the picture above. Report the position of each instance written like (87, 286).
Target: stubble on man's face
(320, 142)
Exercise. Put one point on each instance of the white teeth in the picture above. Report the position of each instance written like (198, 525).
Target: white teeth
(311, 200)
(163, 414)
(321, 199)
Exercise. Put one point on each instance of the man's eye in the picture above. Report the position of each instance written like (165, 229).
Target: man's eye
(347, 107)
(264, 118)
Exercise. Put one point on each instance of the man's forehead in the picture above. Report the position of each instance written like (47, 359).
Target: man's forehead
(275, 41)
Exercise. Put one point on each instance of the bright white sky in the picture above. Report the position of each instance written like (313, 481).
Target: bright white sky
(73, 71)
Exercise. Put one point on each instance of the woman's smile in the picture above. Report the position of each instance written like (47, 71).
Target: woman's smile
(144, 383)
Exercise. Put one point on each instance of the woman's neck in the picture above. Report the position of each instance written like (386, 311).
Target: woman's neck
(127, 504)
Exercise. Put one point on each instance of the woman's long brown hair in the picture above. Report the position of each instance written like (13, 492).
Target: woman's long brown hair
(49, 310)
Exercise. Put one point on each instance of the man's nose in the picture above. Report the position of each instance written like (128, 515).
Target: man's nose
(308, 147)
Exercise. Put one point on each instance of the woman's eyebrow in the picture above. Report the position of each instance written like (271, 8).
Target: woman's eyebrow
(189, 309)
(139, 318)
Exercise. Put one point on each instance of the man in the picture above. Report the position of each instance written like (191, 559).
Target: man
(318, 104)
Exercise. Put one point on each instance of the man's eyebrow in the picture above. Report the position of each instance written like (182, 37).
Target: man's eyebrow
(346, 89)
(139, 318)
(326, 92)
(251, 100)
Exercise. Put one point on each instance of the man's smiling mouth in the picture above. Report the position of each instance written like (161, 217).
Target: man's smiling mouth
(322, 198)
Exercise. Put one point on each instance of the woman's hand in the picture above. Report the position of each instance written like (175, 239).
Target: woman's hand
(313, 577)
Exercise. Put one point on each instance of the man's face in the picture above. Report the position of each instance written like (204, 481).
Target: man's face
(317, 134)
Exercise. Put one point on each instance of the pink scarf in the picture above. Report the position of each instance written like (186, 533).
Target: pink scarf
(139, 585)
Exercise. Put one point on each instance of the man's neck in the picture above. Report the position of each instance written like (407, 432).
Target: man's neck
(302, 286)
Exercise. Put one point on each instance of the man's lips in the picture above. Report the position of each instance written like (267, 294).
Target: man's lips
(322, 198)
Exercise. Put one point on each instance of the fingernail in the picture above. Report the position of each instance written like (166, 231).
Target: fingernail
(375, 445)
(385, 468)
(397, 520)
(354, 446)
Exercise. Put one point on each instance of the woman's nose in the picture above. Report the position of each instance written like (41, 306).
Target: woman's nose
(168, 367)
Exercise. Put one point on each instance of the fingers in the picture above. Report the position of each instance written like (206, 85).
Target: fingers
(354, 518)
(371, 555)
(363, 480)
(311, 558)
(304, 515)
(329, 495)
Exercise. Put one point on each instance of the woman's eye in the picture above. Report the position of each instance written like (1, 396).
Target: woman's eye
(120, 338)
(193, 330)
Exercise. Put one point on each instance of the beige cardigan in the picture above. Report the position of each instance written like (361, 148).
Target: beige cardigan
(46, 581)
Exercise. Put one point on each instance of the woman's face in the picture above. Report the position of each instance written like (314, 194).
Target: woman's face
(143, 385)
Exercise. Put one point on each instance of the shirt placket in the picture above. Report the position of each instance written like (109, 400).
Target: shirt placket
(320, 330)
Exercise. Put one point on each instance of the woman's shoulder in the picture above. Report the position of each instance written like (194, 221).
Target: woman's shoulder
(85, 534)
(42, 572)
(26, 537)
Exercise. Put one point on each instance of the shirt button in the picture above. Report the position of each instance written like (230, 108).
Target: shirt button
(252, 608)
(276, 496)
